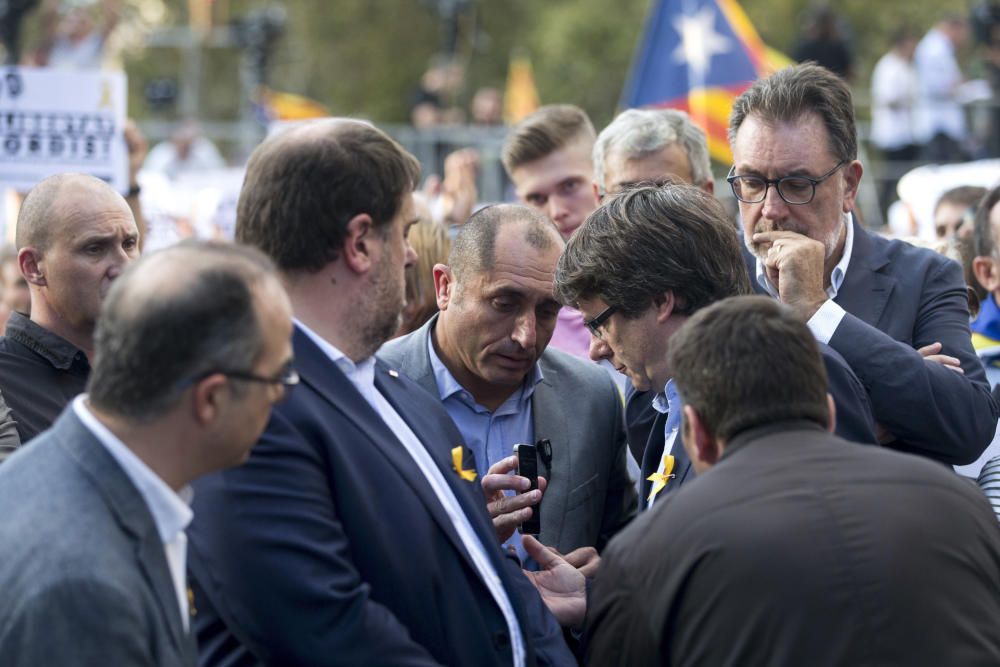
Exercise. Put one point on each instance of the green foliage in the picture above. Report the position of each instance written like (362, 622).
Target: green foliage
(365, 57)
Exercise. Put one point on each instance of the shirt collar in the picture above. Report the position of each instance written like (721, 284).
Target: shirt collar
(53, 348)
(667, 399)
(362, 370)
(170, 510)
(836, 276)
(448, 386)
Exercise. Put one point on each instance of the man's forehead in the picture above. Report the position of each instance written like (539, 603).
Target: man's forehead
(801, 142)
(669, 162)
(573, 159)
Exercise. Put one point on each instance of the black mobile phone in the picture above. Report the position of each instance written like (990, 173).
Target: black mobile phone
(527, 466)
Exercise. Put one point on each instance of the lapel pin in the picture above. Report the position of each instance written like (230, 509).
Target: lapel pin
(393, 374)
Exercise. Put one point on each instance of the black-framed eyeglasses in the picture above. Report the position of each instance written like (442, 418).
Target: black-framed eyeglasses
(288, 377)
(595, 324)
(794, 190)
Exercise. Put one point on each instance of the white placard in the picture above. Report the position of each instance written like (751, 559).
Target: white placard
(55, 121)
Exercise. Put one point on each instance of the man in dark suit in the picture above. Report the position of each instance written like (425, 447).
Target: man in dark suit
(191, 352)
(897, 314)
(486, 356)
(357, 532)
(658, 146)
(793, 547)
(651, 257)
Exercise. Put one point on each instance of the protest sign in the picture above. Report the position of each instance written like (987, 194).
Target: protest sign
(54, 121)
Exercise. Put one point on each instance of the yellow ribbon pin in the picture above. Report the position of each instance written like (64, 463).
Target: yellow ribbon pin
(456, 460)
(660, 480)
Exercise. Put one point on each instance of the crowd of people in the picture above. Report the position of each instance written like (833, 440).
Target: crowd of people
(297, 448)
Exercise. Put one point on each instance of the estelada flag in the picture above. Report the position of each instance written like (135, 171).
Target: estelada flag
(698, 56)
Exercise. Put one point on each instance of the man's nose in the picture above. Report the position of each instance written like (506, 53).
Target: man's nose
(774, 207)
(526, 330)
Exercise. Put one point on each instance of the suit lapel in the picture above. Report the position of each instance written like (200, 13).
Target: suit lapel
(865, 290)
(132, 514)
(549, 420)
(326, 379)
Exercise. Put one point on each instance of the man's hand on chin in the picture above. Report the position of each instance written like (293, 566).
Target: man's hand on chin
(562, 586)
(795, 264)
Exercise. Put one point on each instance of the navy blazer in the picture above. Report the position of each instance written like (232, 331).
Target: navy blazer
(854, 422)
(330, 547)
(900, 298)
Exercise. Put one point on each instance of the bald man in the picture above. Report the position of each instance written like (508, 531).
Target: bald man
(75, 235)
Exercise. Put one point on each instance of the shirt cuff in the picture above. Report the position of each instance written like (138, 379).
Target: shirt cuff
(825, 321)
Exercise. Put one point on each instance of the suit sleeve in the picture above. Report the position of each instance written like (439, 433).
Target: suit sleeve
(77, 622)
(854, 420)
(283, 573)
(621, 502)
(932, 411)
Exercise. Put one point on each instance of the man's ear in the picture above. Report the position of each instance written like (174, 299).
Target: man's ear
(597, 191)
(987, 275)
(444, 285)
(709, 186)
(29, 261)
(702, 447)
(664, 305)
(852, 179)
(207, 397)
(358, 243)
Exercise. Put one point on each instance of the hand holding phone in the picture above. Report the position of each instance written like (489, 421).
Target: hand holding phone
(527, 466)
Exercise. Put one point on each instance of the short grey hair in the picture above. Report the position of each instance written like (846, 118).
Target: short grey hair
(639, 132)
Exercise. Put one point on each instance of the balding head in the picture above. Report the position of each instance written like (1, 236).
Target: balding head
(185, 311)
(474, 249)
(51, 200)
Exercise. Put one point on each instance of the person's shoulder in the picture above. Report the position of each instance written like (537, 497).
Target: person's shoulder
(572, 366)
(400, 350)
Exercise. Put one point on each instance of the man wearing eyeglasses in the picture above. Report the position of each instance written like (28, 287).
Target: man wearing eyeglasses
(191, 351)
(897, 314)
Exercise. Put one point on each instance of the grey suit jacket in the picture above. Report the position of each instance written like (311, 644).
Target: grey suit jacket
(578, 408)
(84, 576)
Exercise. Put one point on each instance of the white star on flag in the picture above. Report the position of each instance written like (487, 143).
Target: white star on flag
(699, 41)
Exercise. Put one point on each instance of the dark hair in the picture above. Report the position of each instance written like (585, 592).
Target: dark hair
(650, 240)
(748, 361)
(984, 243)
(303, 186)
(474, 247)
(154, 334)
(544, 132)
(793, 92)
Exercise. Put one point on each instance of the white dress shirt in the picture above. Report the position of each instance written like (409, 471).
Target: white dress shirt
(362, 376)
(824, 321)
(171, 511)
